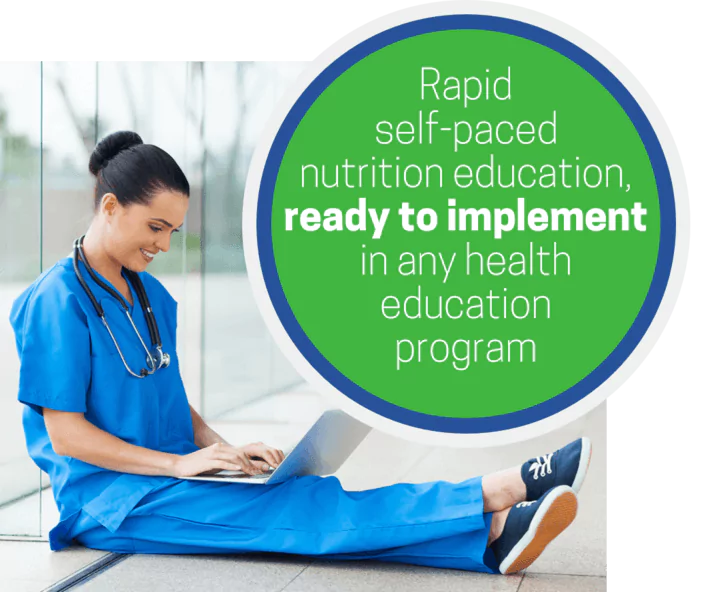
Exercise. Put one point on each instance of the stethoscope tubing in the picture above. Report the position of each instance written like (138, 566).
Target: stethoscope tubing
(154, 363)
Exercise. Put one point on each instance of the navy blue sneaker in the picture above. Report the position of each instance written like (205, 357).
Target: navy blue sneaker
(566, 466)
(530, 526)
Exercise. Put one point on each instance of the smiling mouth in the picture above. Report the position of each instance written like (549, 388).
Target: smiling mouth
(147, 255)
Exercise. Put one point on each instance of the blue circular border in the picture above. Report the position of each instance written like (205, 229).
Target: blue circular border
(591, 381)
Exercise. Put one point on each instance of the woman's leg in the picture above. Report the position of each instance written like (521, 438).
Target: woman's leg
(468, 551)
(503, 489)
(434, 523)
(437, 523)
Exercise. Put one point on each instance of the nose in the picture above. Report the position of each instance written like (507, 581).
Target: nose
(163, 243)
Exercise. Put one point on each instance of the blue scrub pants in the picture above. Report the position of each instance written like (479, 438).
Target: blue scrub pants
(438, 523)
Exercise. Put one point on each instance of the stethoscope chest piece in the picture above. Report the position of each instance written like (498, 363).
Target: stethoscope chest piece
(158, 359)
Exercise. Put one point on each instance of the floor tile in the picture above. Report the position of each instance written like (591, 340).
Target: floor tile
(26, 585)
(27, 560)
(562, 583)
(373, 576)
(169, 573)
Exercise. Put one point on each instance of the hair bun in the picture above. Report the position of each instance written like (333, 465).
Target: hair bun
(109, 147)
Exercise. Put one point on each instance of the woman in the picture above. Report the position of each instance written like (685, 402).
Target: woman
(114, 430)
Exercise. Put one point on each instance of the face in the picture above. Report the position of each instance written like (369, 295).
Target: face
(137, 233)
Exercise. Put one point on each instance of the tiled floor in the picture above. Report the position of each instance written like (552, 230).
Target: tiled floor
(575, 562)
(29, 566)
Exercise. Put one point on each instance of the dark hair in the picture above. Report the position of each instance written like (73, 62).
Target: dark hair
(133, 171)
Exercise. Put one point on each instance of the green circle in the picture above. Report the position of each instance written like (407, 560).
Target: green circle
(580, 318)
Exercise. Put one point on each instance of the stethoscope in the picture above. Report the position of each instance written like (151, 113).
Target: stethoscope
(156, 358)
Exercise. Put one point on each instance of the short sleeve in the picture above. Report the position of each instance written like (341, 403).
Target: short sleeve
(55, 352)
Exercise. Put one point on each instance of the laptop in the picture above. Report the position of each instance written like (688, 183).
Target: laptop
(321, 451)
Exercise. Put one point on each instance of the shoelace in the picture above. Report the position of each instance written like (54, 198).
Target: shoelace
(542, 466)
(525, 504)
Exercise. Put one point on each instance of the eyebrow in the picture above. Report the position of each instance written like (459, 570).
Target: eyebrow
(166, 223)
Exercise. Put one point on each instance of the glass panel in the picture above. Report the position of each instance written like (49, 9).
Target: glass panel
(238, 352)
(20, 263)
(69, 132)
(159, 101)
(208, 117)
(69, 129)
(282, 374)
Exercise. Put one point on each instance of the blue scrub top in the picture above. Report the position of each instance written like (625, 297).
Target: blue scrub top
(68, 362)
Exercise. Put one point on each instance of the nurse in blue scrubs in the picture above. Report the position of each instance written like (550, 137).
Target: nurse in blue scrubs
(107, 417)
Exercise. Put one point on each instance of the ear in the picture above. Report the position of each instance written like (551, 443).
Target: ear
(109, 203)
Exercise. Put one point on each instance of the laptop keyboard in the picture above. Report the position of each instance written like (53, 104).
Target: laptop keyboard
(243, 476)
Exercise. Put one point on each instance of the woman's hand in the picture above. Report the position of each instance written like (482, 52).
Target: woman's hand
(221, 456)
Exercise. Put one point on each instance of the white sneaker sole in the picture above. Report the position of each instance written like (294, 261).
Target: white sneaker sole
(556, 513)
(585, 455)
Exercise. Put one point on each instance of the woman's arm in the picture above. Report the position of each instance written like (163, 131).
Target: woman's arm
(203, 435)
(73, 435)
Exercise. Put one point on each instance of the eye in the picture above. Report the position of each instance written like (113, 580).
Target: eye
(155, 228)
(176, 230)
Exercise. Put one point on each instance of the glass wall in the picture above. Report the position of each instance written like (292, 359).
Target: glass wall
(162, 103)
(20, 262)
(240, 360)
(208, 116)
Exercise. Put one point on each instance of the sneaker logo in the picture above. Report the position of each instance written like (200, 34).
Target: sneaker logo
(542, 466)
(525, 504)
